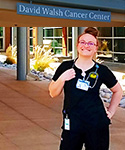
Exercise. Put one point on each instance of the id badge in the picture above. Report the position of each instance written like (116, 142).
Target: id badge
(82, 84)
(67, 124)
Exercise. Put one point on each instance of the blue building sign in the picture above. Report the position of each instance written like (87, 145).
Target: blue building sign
(61, 12)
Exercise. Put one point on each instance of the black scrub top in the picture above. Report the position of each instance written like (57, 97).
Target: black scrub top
(85, 107)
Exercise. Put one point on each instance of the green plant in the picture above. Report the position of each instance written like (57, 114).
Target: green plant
(38, 51)
(43, 60)
(10, 60)
(11, 53)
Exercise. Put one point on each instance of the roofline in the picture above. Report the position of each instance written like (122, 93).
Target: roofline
(94, 5)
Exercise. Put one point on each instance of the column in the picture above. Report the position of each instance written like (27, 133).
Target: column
(21, 52)
(74, 41)
(40, 36)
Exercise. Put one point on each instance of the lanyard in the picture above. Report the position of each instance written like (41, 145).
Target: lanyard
(94, 75)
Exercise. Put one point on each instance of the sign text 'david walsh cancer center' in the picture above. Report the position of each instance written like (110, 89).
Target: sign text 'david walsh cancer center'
(60, 12)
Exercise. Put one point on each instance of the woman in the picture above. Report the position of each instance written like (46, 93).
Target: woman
(86, 121)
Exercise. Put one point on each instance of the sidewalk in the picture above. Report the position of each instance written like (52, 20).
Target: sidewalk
(31, 120)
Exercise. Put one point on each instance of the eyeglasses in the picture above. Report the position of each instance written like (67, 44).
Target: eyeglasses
(88, 43)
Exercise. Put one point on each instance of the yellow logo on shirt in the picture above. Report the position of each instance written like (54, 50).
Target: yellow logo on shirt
(93, 75)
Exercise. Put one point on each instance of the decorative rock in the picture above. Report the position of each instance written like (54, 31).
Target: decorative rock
(122, 101)
(122, 105)
(39, 76)
(1, 62)
(106, 90)
(106, 95)
(33, 71)
(102, 94)
(48, 76)
(106, 100)
(33, 75)
(37, 72)
(9, 66)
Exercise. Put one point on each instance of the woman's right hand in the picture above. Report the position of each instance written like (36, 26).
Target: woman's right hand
(68, 75)
(55, 87)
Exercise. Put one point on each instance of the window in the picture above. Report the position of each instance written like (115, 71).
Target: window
(112, 41)
(2, 38)
(105, 32)
(31, 38)
(69, 40)
(55, 35)
(14, 35)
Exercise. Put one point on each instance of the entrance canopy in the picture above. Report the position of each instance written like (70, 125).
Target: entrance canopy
(107, 5)
(9, 16)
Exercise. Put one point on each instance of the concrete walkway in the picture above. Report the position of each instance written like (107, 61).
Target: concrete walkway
(31, 120)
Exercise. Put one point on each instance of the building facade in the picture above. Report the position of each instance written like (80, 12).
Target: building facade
(111, 39)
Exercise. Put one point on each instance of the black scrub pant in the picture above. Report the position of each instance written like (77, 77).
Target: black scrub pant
(92, 139)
